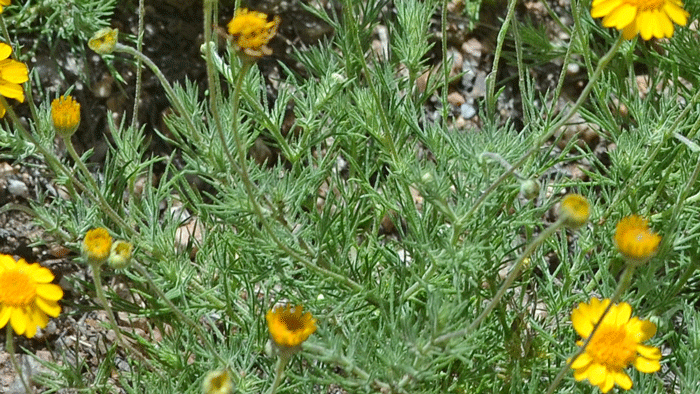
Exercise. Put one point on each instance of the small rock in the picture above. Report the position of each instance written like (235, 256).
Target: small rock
(17, 188)
(456, 99)
(467, 111)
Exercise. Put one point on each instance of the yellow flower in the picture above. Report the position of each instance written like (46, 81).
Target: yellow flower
(65, 114)
(251, 32)
(649, 18)
(12, 74)
(217, 382)
(289, 327)
(635, 240)
(4, 3)
(120, 255)
(104, 40)
(574, 210)
(614, 346)
(97, 244)
(28, 297)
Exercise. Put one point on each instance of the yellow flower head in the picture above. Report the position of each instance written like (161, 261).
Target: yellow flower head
(649, 18)
(104, 40)
(120, 255)
(28, 297)
(614, 346)
(65, 114)
(289, 327)
(97, 244)
(4, 3)
(12, 74)
(217, 382)
(574, 210)
(635, 240)
(251, 32)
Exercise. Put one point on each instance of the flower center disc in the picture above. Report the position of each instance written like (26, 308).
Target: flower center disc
(611, 347)
(293, 324)
(17, 289)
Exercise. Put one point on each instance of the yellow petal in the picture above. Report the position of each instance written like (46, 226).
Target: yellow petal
(596, 374)
(582, 361)
(620, 16)
(622, 313)
(6, 262)
(640, 330)
(650, 352)
(646, 365)
(49, 291)
(5, 50)
(51, 308)
(11, 90)
(608, 384)
(14, 71)
(666, 25)
(623, 380)
(603, 7)
(582, 324)
(5, 312)
(19, 321)
(40, 274)
(630, 31)
(676, 13)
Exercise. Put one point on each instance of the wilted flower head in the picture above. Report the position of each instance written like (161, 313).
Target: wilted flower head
(635, 240)
(97, 245)
(251, 32)
(217, 382)
(574, 210)
(28, 297)
(649, 18)
(12, 74)
(615, 345)
(289, 327)
(65, 114)
(104, 40)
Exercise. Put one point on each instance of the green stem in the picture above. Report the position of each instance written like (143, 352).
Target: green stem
(97, 280)
(139, 68)
(282, 361)
(504, 287)
(169, 91)
(10, 346)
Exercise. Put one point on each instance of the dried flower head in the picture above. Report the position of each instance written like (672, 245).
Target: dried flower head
(251, 32)
(635, 240)
(104, 40)
(649, 18)
(615, 345)
(289, 327)
(574, 210)
(120, 255)
(28, 297)
(97, 245)
(217, 382)
(65, 114)
(12, 74)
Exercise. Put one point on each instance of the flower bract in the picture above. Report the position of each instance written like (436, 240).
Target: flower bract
(104, 40)
(615, 345)
(251, 32)
(97, 244)
(574, 210)
(120, 255)
(65, 114)
(28, 297)
(289, 327)
(649, 18)
(12, 74)
(635, 240)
